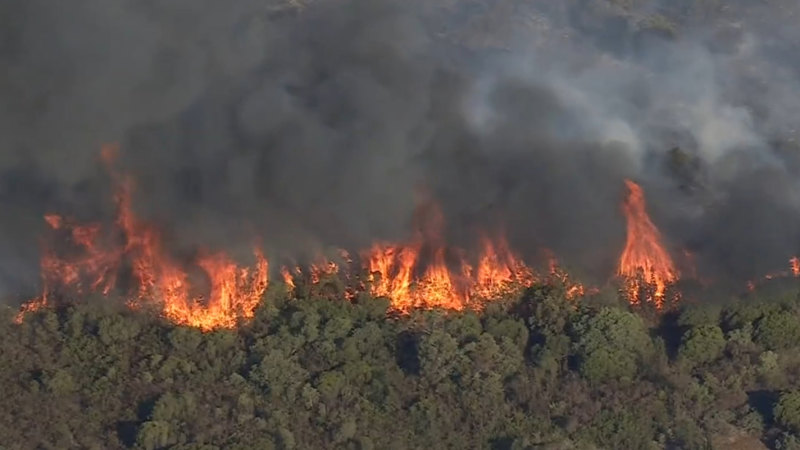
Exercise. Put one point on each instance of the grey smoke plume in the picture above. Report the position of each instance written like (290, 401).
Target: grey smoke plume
(312, 124)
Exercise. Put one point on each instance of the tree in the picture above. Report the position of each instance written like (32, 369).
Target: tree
(609, 344)
(697, 315)
(787, 411)
(778, 330)
(701, 344)
(439, 356)
(624, 430)
(154, 435)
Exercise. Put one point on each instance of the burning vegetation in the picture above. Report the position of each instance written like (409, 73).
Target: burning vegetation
(645, 266)
(83, 259)
(421, 273)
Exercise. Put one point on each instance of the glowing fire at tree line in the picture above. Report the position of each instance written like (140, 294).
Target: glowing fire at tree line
(420, 273)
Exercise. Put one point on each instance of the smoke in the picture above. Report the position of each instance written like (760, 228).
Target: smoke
(313, 124)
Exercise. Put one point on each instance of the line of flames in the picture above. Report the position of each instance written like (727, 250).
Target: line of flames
(421, 273)
(95, 260)
(794, 271)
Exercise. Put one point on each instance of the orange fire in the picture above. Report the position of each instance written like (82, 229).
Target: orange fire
(320, 269)
(794, 271)
(213, 291)
(89, 268)
(425, 273)
(288, 278)
(644, 261)
(499, 269)
(95, 260)
(557, 273)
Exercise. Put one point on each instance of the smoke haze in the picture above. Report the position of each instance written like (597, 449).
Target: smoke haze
(314, 124)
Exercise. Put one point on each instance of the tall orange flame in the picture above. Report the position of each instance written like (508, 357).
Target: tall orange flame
(644, 259)
(234, 291)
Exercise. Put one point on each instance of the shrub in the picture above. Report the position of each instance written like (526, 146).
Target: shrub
(778, 330)
(787, 411)
(701, 344)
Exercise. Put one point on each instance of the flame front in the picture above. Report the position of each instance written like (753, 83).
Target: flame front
(94, 259)
(419, 274)
(644, 261)
(424, 272)
(794, 271)
(499, 269)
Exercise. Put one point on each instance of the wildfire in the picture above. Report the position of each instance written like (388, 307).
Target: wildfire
(499, 268)
(211, 290)
(644, 261)
(572, 289)
(288, 277)
(234, 292)
(425, 273)
(794, 271)
(396, 272)
(319, 272)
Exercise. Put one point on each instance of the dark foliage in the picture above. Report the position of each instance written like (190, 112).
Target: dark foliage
(537, 371)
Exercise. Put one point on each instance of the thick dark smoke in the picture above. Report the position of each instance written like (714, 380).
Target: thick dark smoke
(313, 124)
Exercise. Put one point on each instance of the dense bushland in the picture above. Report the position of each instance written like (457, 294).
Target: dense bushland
(316, 371)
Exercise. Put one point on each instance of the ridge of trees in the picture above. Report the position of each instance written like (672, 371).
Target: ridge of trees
(531, 371)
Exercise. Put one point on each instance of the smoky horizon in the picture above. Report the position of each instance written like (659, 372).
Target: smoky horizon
(322, 127)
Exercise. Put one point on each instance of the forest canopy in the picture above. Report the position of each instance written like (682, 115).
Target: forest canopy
(314, 370)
